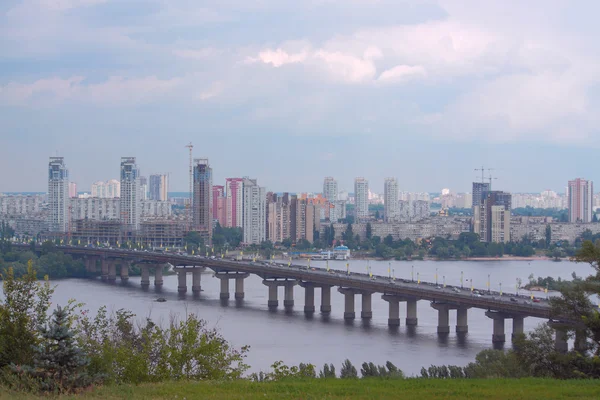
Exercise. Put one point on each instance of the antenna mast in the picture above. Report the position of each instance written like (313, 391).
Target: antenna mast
(190, 146)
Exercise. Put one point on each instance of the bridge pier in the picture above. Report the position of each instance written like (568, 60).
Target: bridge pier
(462, 325)
(443, 317)
(366, 312)
(325, 299)
(580, 341)
(560, 341)
(498, 335)
(517, 328)
(124, 272)
(158, 275)
(309, 297)
(104, 269)
(348, 293)
(411, 312)
(112, 272)
(394, 313)
(288, 300)
(182, 281)
(145, 270)
(239, 284)
(196, 276)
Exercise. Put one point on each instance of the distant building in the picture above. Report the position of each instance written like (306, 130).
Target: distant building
(302, 219)
(361, 198)
(219, 204)
(234, 188)
(492, 217)
(278, 217)
(72, 189)
(107, 190)
(58, 195)
(143, 185)
(202, 204)
(130, 200)
(330, 189)
(254, 212)
(390, 199)
(580, 200)
(158, 187)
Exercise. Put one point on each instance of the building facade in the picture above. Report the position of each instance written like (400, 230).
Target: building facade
(580, 200)
(254, 212)
(278, 217)
(361, 198)
(219, 205)
(109, 189)
(158, 187)
(390, 199)
(202, 204)
(234, 188)
(130, 200)
(330, 189)
(58, 195)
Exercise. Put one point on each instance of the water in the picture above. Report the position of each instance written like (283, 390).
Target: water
(294, 338)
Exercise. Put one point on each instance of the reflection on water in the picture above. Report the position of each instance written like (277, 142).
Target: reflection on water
(294, 337)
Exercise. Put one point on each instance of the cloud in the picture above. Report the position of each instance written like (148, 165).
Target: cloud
(115, 91)
(401, 73)
(278, 57)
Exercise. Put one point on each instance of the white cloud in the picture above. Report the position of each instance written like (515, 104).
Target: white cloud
(401, 73)
(278, 57)
(116, 90)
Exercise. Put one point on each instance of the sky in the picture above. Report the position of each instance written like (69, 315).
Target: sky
(289, 92)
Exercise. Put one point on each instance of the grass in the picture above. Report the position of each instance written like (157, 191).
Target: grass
(420, 389)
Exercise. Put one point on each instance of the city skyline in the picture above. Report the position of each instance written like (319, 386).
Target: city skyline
(423, 91)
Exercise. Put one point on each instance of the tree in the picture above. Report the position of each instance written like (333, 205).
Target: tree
(348, 370)
(58, 363)
(377, 215)
(369, 233)
(549, 235)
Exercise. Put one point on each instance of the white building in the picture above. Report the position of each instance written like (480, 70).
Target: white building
(390, 199)
(130, 201)
(254, 212)
(72, 189)
(581, 193)
(107, 190)
(361, 198)
(21, 205)
(95, 208)
(58, 194)
(337, 210)
(330, 189)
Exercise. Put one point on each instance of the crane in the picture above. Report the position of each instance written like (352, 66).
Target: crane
(190, 146)
(482, 169)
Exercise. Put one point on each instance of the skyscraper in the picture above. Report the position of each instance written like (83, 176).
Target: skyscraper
(361, 198)
(218, 204)
(143, 185)
(491, 219)
(330, 189)
(278, 217)
(58, 194)
(480, 190)
(130, 200)
(390, 199)
(158, 187)
(580, 198)
(72, 189)
(254, 212)
(233, 207)
(202, 204)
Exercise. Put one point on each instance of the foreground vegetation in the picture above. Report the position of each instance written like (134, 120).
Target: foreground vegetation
(423, 389)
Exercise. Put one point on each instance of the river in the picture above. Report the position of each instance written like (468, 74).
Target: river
(294, 338)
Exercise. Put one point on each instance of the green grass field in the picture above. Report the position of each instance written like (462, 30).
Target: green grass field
(420, 389)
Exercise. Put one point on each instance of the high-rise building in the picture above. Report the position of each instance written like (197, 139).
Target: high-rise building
(254, 212)
(58, 194)
(143, 184)
(202, 204)
(480, 190)
(107, 190)
(234, 204)
(580, 198)
(278, 217)
(72, 189)
(218, 204)
(390, 199)
(302, 219)
(492, 217)
(330, 189)
(361, 198)
(130, 199)
(158, 187)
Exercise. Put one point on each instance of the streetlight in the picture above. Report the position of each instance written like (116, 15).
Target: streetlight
(462, 274)
(500, 284)
(389, 270)
(418, 278)
(444, 279)
(517, 287)
(436, 274)
(412, 274)
(394, 275)
(488, 284)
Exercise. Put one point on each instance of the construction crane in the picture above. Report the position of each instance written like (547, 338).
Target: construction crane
(482, 169)
(190, 146)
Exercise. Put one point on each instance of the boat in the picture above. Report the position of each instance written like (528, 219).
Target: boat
(161, 300)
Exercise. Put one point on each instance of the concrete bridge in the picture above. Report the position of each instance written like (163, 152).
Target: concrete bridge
(349, 284)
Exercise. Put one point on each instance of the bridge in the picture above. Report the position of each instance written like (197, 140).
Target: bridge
(499, 307)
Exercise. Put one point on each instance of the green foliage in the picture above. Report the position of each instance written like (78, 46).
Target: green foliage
(348, 370)
(281, 371)
(328, 371)
(389, 370)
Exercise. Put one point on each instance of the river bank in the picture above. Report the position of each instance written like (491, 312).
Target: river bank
(504, 258)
